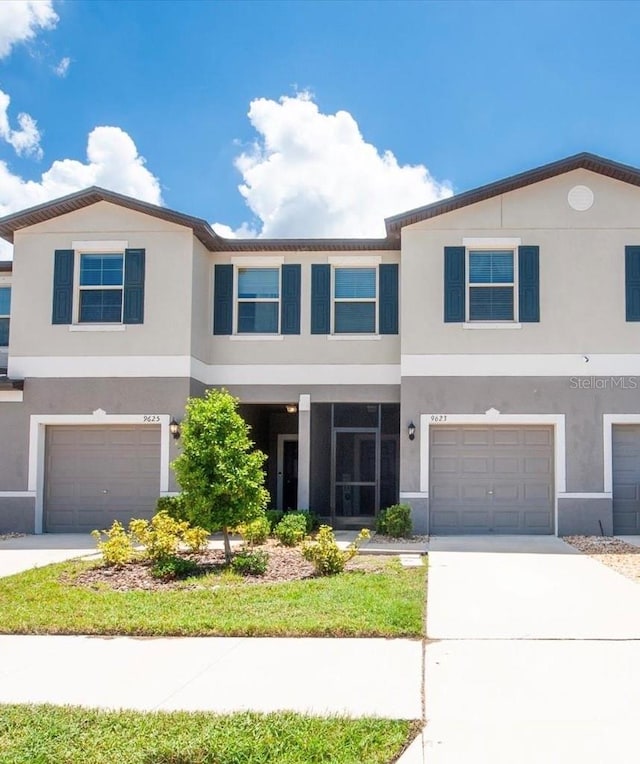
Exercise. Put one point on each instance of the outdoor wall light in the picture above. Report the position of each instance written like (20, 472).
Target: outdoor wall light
(292, 408)
(174, 429)
(411, 429)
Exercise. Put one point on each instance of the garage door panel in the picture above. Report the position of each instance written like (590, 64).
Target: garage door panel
(95, 475)
(499, 479)
(626, 478)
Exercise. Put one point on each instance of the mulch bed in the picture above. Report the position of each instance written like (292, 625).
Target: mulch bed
(285, 564)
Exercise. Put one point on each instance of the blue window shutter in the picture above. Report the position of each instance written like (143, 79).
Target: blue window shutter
(223, 300)
(133, 308)
(290, 300)
(454, 284)
(320, 299)
(62, 312)
(632, 282)
(388, 300)
(529, 284)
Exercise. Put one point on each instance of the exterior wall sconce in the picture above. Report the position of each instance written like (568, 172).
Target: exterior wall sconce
(174, 429)
(411, 429)
(292, 408)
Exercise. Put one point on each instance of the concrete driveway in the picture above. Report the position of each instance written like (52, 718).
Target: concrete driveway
(536, 654)
(26, 552)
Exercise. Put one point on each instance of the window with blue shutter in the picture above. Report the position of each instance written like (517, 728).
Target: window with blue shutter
(354, 296)
(491, 285)
(529, 284)
(133, 297)
(62, 311)
(5, 315)
(454, 284)
(320, 299)
(290, 300)
(388, 300)
(258, 300)
(223, 299)
(632, 282)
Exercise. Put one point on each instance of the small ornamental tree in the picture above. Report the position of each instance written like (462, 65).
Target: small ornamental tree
(219, 470)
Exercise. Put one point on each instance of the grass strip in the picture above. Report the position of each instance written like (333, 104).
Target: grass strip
(390, 603)
(67, 735)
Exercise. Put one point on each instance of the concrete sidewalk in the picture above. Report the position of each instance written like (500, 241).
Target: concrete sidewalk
(537, 658)
(26, 552)
(357, 677)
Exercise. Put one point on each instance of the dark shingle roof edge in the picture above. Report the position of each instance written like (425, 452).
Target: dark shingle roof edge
(584, 160)
(201, 229)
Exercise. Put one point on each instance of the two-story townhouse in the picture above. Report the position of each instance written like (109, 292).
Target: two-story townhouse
(500, 394)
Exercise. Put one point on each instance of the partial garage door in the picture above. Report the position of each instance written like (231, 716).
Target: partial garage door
(95, 475)
(491, 480)
(626, 479)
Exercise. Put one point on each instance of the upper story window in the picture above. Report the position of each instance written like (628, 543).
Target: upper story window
(354, 300)
(5, 311)
(101, 286)
(491, 285)
(258, 300)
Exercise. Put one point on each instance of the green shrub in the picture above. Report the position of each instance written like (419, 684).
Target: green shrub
(195, 538)
(310, 518)
(172, 505)
(395, 521)
(327, 558)
(250, 563)
(291, 529)
(162, 535)
(274, 516)
(255, 532)
(117, 548)
(173, 567)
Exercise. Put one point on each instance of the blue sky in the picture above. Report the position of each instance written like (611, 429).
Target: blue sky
(217, 94)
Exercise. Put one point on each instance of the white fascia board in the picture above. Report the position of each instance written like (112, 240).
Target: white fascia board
(522, 365)
(296, 374)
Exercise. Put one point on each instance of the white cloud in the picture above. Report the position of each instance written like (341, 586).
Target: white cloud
(62, 67)
(26, 140)
(313, 175)
(21, 20)
(112, 162)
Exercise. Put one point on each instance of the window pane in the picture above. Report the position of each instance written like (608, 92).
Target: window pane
(491, 304)
(258, 282)
(355, 415)
(261, 317)
(355, 282)
(4, 332)
(355, 317)
(101, 305)
(5, 301)
(491, 267)
(101, 270)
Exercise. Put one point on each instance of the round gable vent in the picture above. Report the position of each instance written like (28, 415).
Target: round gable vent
(580, 198)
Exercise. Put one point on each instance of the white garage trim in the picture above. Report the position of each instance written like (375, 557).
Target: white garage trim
(608, 420)
(37, 446)
(493, 417)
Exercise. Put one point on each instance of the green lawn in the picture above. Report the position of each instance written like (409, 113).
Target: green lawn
(390, 603)
(63, 735)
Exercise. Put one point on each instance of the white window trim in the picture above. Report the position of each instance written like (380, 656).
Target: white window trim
(491, 324)
(37, 431)
(237, 300)
(493, 417)
(77, 289)
(361, 265)
(354, 261)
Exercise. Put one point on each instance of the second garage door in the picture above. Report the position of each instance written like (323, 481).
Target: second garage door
(491, 480)
(626, 479)
(95, 475)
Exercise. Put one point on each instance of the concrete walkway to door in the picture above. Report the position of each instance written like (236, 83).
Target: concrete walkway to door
(535, 654)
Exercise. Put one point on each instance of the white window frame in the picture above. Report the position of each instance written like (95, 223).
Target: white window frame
(6, 284)
(469, 285)
(335, 300)
(237, 300)
(97, 248)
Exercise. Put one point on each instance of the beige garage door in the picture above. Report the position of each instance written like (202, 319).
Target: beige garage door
(95, 475)
(491, 480)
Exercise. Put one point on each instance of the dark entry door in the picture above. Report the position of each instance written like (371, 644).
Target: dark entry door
(290, 475)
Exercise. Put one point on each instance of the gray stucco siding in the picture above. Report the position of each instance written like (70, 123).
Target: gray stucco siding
(583, 408)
